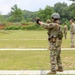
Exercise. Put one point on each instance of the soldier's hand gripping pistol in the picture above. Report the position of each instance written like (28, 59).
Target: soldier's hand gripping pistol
(37, 20)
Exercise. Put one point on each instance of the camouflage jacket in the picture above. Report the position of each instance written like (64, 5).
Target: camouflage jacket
(52, 28)
(65, 29)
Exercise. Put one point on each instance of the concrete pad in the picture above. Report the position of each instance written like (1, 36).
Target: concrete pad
(33, 72)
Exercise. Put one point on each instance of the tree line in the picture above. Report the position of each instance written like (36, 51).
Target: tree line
(17, 15)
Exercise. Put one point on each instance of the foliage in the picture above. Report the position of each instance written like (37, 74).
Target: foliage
(71, 10)
(29, 16)
(16, 14)
(46, 13)
(32, 27)
(24, 26)
(61, 8)
(23, 16)
(2, 18)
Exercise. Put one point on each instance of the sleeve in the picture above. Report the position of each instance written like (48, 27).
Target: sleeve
(50, 25)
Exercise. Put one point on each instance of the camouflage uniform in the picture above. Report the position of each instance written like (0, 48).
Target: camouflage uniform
(48, 21)
(65, 31)
(55, 44)
(55, 39)
(72, 33)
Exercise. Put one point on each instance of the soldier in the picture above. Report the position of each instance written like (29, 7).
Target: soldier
(72, 32)
(65, 31)
(55, 38)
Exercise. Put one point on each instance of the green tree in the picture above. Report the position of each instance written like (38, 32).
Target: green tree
(62, 9)
(71, 11)
(16, 14)
(46, 13)
(28, 15)
(2, 19)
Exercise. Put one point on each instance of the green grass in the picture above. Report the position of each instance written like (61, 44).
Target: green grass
(20, 35)
(30, 60)
(33, 60)
(27, 39)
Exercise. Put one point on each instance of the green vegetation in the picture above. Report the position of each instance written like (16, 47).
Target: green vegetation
(16, 14)
(33, 60)
(33, 26)
(23, 16)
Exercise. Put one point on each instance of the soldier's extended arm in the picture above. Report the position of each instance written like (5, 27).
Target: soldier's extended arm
(45, 25)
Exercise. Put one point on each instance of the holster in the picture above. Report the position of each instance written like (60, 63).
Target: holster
(60, 35)
(52, 39)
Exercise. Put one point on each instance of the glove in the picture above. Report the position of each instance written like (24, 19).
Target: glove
(37, 20)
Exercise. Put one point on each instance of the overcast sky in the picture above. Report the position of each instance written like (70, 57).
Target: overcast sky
(31, 5)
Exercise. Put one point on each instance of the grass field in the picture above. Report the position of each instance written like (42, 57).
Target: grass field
(33, 60)
(30, 60)
(22, 39)
(27, 39)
